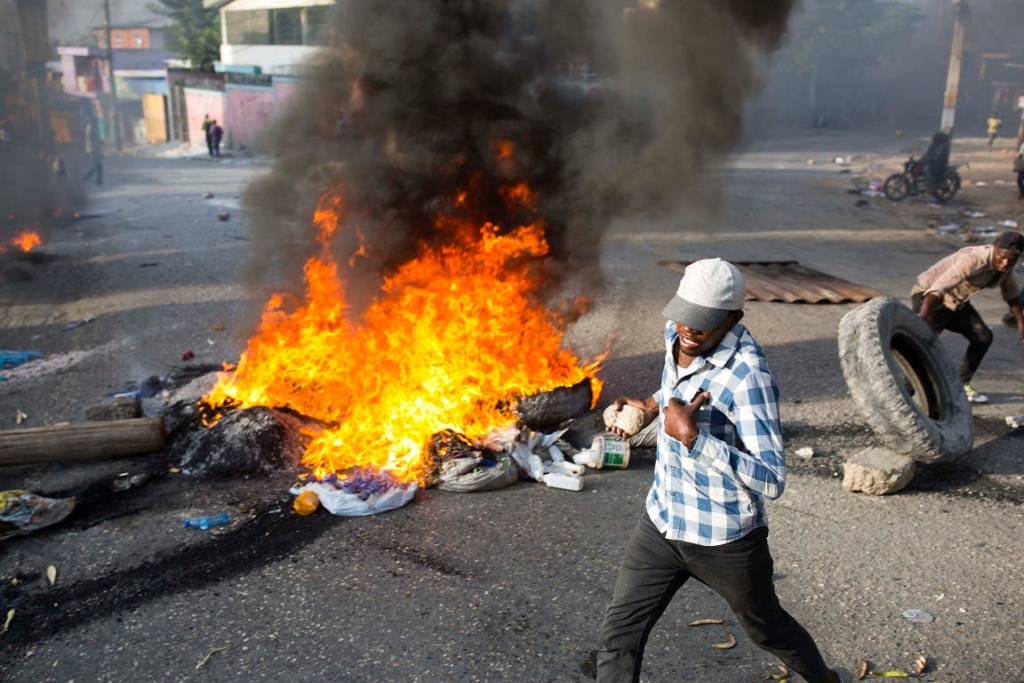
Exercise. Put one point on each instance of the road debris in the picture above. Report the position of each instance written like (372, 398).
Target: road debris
(306, 503)
(1015, 421)
(22, 512)
(920, 663)
(806, 452)
(706, 622)
(862, 669)
(7, 623)
(51, 574)
(728, 643)
(13, 358)
(188, 355)
(20, 417)
(212, 652)
(209, 522)
(781, 677)
(918, 616)
(78, 323)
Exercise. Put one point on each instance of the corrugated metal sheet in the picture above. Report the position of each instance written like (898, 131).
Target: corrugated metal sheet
(790, 282)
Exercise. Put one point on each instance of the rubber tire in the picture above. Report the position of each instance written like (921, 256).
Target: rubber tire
(870, 338)
(896, 187)
(952, 183)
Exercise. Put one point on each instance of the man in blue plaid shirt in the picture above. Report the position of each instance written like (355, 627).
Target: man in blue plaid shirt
(719, 455)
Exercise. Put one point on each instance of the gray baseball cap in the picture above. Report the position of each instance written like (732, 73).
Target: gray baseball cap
(708, 290)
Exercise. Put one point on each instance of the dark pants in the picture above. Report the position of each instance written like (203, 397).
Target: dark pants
(1020, 184)
(965, 321)
(96, 170)
(209, 144)
(216, 146)
(741, 572)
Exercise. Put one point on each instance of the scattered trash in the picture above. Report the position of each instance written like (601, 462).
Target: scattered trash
(7, 623)
(569, 482)
(13, 358)
(217, 328)
(212, 652)
(889, 674)
(728, 643)
(782, 676)
(861, 203)
(1008, 223)
(1000, 182)
(20, 417)
(224, 216)
(188, 355)
(1015, 421)
(209, 522)
(706, 622)
(980, 183)
(975, 214)
(839, 160)
(607, 451)
(920, 663)
(359, 492)
(51, 574)
(948, 228)
(986, 231)
(918, 616)
(806, 453)
(79, 323)
(125, 481)
(207, 195)
(933, 205)
(151, 264)
(22, 512)
(306, 503)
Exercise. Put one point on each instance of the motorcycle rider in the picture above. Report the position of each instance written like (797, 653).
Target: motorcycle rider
(936, 160)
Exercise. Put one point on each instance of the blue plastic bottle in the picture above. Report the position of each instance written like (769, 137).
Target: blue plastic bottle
(208, 522)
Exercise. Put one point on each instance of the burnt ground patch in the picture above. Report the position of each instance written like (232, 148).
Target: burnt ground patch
(213, 559)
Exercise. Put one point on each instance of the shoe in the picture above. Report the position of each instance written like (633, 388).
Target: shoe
(1008, 319)
(973, 396)
(841, 675)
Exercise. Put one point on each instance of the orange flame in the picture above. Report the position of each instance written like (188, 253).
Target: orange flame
(26, 240)
(456, 333)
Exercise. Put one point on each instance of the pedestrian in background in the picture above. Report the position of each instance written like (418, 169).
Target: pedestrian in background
(207, 127)
(94, 150)
(719, 455)
(994, 124)
(217, 133)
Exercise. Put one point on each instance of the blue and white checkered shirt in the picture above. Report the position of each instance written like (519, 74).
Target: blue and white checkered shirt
(712, 494)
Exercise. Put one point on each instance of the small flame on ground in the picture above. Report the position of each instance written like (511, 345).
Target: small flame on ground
(26, 241)
(456, 336)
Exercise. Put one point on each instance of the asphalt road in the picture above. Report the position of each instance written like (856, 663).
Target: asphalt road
(507, 585)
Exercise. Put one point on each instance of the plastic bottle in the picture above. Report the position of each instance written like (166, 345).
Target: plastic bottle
(306, 503)
(204, 523)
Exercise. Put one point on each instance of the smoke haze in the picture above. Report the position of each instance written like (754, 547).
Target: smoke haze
(608, 110)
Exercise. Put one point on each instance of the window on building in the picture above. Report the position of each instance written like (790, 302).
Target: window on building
(287, 24)
(317, 25)
(250, 27)
(118, 38)
(139, 39)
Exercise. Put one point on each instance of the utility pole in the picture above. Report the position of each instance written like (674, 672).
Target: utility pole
(955, 60)
(113, 80)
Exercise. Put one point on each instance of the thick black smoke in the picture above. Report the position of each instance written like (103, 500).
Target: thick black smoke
(611, 108)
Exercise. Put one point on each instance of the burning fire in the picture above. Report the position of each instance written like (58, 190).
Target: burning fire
(25, 241)
(456, 335)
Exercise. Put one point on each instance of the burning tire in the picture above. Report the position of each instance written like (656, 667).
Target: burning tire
(898, 375)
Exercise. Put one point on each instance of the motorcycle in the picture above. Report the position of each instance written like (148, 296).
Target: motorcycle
(912, 181)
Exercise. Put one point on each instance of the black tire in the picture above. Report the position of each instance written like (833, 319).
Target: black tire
(949, 189)
(896, 187)
(899, 376)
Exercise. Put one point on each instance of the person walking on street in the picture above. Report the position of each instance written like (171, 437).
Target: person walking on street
(994, 124)
(208, 132)
(719, 455)
(941, 297)
(94, 150)
(217, 133)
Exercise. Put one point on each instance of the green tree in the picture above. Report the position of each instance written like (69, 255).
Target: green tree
(196, 29)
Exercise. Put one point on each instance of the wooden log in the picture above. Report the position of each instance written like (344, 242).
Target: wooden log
(86, 441)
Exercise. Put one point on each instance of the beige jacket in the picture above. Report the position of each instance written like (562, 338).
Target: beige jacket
(963, 274)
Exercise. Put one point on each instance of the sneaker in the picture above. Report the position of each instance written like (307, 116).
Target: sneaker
(1009, 319)
(973, 396)
(841, 675)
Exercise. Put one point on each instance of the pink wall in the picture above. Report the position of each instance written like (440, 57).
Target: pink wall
(199, 103)
(285, 92)
(250, 110)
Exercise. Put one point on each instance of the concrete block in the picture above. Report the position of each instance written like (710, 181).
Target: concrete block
(877, 471)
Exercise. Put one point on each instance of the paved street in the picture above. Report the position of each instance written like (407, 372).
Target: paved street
(508, 585)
